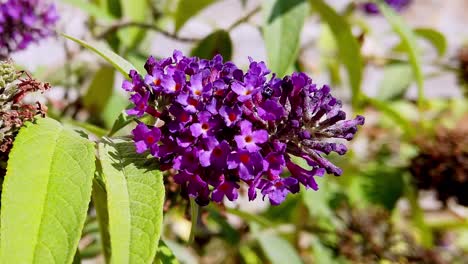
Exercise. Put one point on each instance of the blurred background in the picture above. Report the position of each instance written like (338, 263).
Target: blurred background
(404, 191)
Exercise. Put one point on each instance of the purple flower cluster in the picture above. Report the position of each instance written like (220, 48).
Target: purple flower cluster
(219, 126)
(23, 22)
(398, 5)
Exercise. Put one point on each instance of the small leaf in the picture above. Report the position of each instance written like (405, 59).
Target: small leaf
(46, 194)
(396, 80)
(118, 62)
(100, 90)
(165, 255)
(218, 42)
(278, 250)
(436, 38)
(91, 9)
(186, 9)
(135, 197)
(348, 47)
(409, 43)
(284, 20)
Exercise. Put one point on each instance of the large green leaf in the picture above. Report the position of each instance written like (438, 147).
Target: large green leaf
(46, 194)
(119, 63)
(91, 9)
(100, 90)
(396, 80)
(409, 44)
(348, 47)
(217, 42)
(135, 197)
(186, 9)
(284, 20)
(278, 250)
(135, 11)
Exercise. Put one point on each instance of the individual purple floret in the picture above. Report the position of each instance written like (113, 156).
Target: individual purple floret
(23, 22)
(398, 5)
(220, 127)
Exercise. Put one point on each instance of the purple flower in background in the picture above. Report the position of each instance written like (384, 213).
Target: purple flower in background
(221, 128)
(398, 5)
(23, 22)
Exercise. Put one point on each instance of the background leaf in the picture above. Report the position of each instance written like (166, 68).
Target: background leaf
(99, 197)
(409, 43)
(278, 250)
(135, 11)
(218, 42)
(46, 194)
(349, 49)
(91, 9)
(187, 9)
(100, 90)
(434, 37)
(135, 197)
(396, 80)
(119, 63)
(165, 255)
(284, 20)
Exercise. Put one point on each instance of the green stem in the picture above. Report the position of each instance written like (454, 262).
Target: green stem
(418, 215)
(194, 208)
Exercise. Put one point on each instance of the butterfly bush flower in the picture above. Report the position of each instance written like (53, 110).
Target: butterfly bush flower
(221, 127)
(398, 5)
(23, 22)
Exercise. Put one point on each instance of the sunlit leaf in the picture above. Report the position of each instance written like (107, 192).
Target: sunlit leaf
(284, 20)
(135, 197)
(46, 194)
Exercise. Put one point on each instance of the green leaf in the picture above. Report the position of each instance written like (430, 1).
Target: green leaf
(91, 9)
(46, 194)
(278, 250)
(114, 108)
(165, 255)
(284, 20)
(119, 63)
(436, 38)
(100, 90)
(186, 9)
(218, 42)
(122, 120)
(136, 11)
(383, 186)
(135, 197)
(349, 50)
(396, 80)
(409, 43)
(99, 197)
